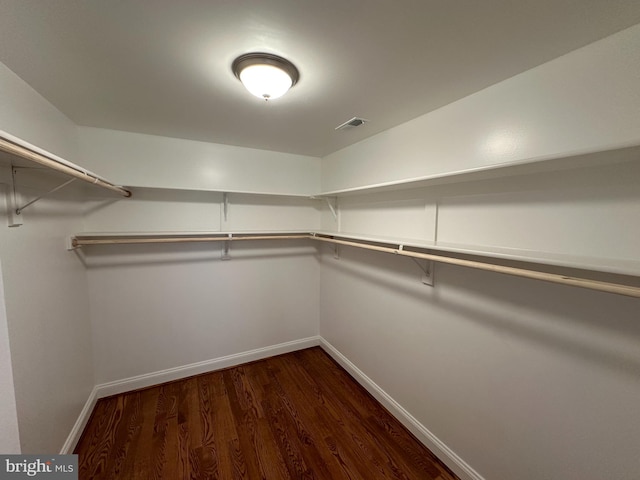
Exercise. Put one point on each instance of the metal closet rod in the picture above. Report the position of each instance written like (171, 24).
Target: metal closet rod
(39, 158)
(615, 288)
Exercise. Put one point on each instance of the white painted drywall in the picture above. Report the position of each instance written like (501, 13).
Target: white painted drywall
(156, 210)
(409, 216)
(156, 307)
(587, 100)
(267, 213)
(10, 438)
(48, 321)
(584, 217)
(519, 378)
(597, 225)
(25, 114)
(151, 161)
(151, 210)
(45, 287)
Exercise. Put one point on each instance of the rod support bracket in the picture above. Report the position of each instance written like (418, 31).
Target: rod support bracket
(226, 248)
(427, 270)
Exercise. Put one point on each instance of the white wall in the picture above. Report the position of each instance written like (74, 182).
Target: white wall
(587, 100)
(45, 287)
(581, 217)
(265, 295)
(150, 161)
(10, 438)
(502, 370)
(48, 321)
(157, 210)
(27, 115)
(519, 378)
(156, 307)
(160, 307)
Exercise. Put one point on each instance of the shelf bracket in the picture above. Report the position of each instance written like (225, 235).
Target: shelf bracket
(53, 190)
(226, 248)
(225, 205)
(427, 269)
(333, 207)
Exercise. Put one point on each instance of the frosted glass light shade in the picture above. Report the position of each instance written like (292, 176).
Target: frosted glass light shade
(265, 81)
(265, 75)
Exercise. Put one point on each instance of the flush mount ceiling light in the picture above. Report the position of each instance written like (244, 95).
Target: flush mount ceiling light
(265, 75)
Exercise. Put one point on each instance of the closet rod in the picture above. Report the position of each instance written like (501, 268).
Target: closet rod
(81, 242)
(79, 173)
(616, 288)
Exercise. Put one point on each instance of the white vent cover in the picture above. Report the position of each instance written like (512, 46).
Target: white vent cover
(353, 123)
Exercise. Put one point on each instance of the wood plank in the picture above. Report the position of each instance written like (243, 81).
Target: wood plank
(142, 459)
(294, 416)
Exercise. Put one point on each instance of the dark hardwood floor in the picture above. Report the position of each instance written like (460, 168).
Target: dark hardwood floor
(294, 416)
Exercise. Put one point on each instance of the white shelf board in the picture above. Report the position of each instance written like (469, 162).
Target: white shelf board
(522, 167)
(596, 264)
(407, 242)
(239, 192)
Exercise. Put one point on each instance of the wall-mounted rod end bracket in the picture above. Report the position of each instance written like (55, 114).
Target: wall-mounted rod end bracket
(428, 271)
(72, 244)
(12, 199)
(428, 278)
(226, 250)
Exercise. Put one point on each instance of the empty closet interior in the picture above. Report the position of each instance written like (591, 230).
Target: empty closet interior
(476, 268)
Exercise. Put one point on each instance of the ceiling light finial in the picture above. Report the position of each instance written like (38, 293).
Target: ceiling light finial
(265, 75)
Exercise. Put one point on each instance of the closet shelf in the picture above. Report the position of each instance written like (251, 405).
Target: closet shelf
(596, 264)
(368, 243)
(523, 167)
(231, 191)
(25, 151)
(518, 271)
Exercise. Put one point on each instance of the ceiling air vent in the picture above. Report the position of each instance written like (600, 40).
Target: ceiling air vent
(353, 123)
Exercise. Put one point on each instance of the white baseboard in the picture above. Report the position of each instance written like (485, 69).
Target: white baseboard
(442, 451)
(81, 422)
(150, 379)
(448, 456)
(170, 374)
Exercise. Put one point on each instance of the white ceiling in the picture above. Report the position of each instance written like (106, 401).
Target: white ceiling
(163, 66)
